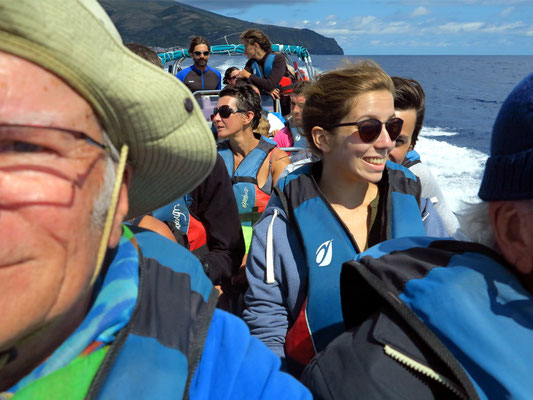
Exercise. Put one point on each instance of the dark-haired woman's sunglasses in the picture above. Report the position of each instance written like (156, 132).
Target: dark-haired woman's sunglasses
(370, 129)
(225, 111)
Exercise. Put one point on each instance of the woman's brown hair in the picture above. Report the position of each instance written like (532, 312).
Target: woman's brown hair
(334, 94)
(252, 36)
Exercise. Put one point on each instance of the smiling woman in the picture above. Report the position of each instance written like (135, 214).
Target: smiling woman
(325, 213)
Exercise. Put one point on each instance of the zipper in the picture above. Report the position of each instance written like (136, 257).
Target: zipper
(424, 370)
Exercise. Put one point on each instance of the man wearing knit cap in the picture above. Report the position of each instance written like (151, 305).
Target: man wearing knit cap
(432, 318)
(90, 135)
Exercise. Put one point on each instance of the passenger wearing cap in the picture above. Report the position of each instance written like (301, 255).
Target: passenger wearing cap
(444, 319)
(90, 308)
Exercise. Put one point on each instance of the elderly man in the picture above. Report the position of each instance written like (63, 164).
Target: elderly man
(441, 318)
(90, 309)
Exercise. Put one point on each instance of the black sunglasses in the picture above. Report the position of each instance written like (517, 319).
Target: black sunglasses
(369, 129)
(225, 111)
(199, 53)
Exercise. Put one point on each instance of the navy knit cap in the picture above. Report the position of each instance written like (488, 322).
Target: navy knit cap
(509, 169)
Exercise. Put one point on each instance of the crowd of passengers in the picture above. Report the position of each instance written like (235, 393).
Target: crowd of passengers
(143, 259)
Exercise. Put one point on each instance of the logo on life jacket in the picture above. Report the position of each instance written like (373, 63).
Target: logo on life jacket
(244, 202)
(324, 253)
(179, 217)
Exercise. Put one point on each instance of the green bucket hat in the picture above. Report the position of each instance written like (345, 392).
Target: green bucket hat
(170, 145)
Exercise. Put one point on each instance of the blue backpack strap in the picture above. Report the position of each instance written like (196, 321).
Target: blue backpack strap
(404, 195)
(225, 152)
(157, 353)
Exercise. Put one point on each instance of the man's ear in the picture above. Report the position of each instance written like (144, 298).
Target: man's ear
(321, 138)
(122, 208)
(512, 232)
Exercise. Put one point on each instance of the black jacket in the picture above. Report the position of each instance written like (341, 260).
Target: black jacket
(387, 351)
(215, 207)
(269, 83)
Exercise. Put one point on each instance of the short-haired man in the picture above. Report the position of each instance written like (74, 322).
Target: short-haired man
(447, 319)
(200, 76)
(89, 307)
(290, 135)
(410, 105)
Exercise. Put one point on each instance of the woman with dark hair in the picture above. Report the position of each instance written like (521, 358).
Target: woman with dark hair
(254, 162)
(324, 213)
(230, 76)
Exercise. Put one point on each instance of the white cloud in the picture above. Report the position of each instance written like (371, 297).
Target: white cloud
(507, 11)
(454, 27)
(502, 28)
(420, 11)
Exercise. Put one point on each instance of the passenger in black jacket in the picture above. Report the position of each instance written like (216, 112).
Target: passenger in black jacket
(263, 69)
(206, 221)
(214, 205)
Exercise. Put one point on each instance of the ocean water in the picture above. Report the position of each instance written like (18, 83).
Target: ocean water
(463, 96)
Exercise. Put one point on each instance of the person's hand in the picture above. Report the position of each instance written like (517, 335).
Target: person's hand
(275, 94)
(240, 279)
(243, 74)
(274, 132)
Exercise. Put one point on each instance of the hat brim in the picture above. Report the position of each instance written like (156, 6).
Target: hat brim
(171, 147)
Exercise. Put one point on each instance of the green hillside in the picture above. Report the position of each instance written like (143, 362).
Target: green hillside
(169, 24)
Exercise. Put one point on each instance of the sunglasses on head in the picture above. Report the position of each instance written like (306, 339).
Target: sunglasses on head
(225, 111)
(370, 129)
(199, 53)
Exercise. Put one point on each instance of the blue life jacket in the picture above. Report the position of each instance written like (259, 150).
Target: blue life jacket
(411, 158)
(327, 243)
(157, 353)
(462, 298)
(176, 212)
(263, 72)
(244, 179)
(299, 140)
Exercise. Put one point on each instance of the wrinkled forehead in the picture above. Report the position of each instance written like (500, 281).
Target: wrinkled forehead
(30, 94)
(298, 98)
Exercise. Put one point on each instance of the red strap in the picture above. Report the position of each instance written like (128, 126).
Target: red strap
(298, 343)
(196, 235)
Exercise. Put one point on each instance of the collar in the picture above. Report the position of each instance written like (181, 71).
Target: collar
(115, 296)
(198, 71)
(263, 60)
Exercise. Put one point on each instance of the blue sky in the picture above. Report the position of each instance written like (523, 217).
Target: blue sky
(374, 27)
